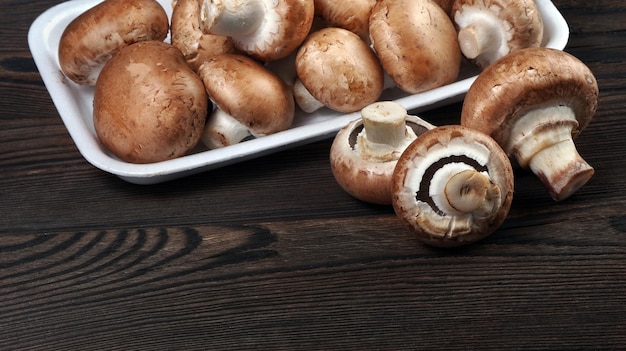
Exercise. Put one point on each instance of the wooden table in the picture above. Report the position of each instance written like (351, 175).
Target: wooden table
(272, 254)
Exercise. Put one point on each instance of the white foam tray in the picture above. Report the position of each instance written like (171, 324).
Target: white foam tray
(74, 103)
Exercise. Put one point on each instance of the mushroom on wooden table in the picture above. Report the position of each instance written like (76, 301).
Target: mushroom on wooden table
(364, 152)
(452, 186)
(534, 102)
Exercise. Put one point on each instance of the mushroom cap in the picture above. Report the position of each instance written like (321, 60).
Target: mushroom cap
(430, 157)
(249, 92)
(353, 17)
(416, 42)
(528, 79)
(339, 69)
(149, 105)
(97, 34)
(188, 37)
(519, 20)
(284, 24)
(366, 180)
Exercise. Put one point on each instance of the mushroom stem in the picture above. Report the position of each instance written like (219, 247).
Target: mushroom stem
(222, 130)
(466, 191)
(385, 134)
(542, 141)
(481, 36)
(223, 17)
(305, 100)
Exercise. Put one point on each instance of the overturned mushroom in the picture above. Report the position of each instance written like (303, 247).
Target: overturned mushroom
(265, 29)
(490, 29)
(248, 92)
(337, 69)
(93, 37)
(416, 43)
(364, 152)
(452, 186)
(534, 102)
(189, 38)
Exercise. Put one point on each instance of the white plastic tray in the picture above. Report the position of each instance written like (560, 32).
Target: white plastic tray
(74, 104)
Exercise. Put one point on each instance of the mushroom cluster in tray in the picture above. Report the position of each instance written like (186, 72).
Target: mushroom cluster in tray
(235, 70)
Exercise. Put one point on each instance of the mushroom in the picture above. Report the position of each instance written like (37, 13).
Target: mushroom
(93, 37)
(248, 92)
(149, 105)
(189, 38)
(452, 186)
(364, 152)
(336, 69)
(264, 29)
(353, 17)
(416, 43)
(533, 102)
(490, 29)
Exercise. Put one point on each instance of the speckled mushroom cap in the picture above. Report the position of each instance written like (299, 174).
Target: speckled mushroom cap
(423, 179)
(249, 92)
(149, 105)
(416, 42)
(518, 22)
(97, 34)
(525, 80)
(353, 16)
(188, 37)
(339, 69)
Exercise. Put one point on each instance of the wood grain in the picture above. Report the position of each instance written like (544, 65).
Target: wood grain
(272, 254)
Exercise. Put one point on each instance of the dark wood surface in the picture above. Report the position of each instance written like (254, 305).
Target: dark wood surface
(272, 254)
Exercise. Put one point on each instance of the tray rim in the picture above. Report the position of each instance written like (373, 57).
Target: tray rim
(43, 44)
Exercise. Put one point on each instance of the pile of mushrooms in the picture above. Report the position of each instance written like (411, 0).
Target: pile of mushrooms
(329, 55)
(217, 82)
(453, 185)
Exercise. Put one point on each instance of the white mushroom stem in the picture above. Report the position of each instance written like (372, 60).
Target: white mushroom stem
(466, 191)
(459, 190)
(481, 36)
(542, 141)
(222, 130)
(385, 134)
(231, 17)
(305, 100)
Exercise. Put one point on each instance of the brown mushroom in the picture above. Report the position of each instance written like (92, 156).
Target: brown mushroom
(93, 37)
(336, 69)
(364, 152)
(149, 105)
(264, 29)
(534, 102)
(248, 92)
(353, 16)
(452, 186)
(416, 43)
(188, 37)
(490, 29)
